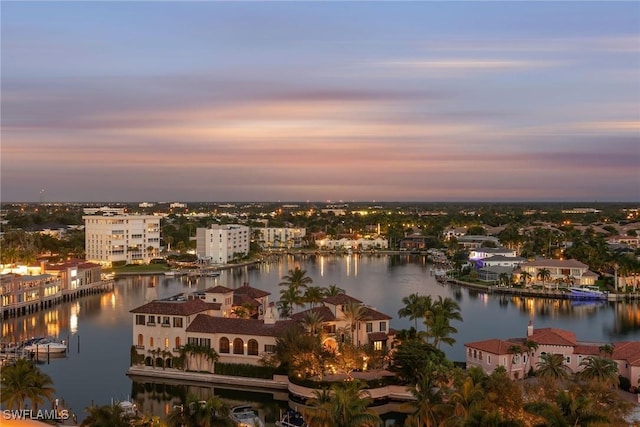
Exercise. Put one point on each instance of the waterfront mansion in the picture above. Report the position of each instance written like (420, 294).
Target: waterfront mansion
(240, 325)
(518, 358)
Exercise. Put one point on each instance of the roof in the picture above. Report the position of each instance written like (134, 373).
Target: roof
(218, 290)
(340, 299)
(566, 263)
(369, 313)
(494, 346)
(244, 299)
(176, 307)
(209, 324)
(494, 258)
(586, 350)
(250, 291)
(70, 264)
(325, 314)
(629, 351)
(553, 336)
(378, 336)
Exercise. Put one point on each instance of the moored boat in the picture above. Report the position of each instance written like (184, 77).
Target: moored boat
(245, 416)
(46, 346)
(291, 418)
(586, 292)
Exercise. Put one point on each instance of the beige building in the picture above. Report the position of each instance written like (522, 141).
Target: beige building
(130, 239)
(489, 354)
(569, 269)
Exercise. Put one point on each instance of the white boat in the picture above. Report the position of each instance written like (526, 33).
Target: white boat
(129, 409)
(291, 418)
(587, 292)
(170, 273)
(245, 416)
(46, 346)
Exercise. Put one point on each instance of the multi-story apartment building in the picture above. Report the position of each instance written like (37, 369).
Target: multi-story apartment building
(133, 239)
(222, 243)
(280, 237)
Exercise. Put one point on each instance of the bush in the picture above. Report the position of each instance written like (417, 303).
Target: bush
(625, 383)
(244, 370)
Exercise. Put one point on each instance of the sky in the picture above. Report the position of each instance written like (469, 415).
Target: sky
(295, 101)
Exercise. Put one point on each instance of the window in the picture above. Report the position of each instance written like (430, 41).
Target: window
(151, 320)
(166, 343)
(252, 348)
(151, 342)
(224, 345)
(369, 327)
(480, 355)
(568, 359)
(165, 321)
(489, 360)
(269, 348)
(139, 319)
(238, 346)
(470, 353)
(177, 322)
(383, 326)
(178, 343)
(377, 345)
(140, 340)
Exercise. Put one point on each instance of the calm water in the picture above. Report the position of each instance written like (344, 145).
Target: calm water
(99, 327)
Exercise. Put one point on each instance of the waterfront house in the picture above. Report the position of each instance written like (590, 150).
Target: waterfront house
(568, 270)
(517, 359)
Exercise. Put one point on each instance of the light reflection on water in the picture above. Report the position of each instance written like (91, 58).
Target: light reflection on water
(98, 327)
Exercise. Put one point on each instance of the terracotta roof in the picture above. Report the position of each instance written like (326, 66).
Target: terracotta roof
(553, 336)
(494, 346)
(176, 307)
(371, 314)
(227, 325)
(218, 290)
(244, 299)
(566, 263)
(586, 350)
(325, 314)
(340, 299)
(250, 291)
(378, 336)
(627, 350)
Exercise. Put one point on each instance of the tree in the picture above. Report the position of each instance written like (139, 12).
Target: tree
(428, 408)
(353, 313)
(601, 370)
(333, 291)
(551, 367)
(313, 295)
(544, 275)
(347, 405)
(466, 399)
(525, 278)
(290, 297)
(22, 380)
(440, 330)
(415, 307)
(105, 416)
(296, 278)
(312, 322)
(531, 346)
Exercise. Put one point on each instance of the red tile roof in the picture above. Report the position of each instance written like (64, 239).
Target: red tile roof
(378, 336)
(586, 350)
(371, 314)
(250, 291)
(218, 290)
(494, 346)
(227, 325)
(176, 308)
(324, 313)
(553, 336)
(566, 263)
(627, 350)
(341, 299)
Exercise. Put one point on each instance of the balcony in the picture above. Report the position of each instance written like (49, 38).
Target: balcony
(151, 323)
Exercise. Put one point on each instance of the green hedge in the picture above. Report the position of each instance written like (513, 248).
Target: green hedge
(244, 370)
(373, 383)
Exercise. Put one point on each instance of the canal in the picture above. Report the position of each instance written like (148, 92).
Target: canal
(99, 327)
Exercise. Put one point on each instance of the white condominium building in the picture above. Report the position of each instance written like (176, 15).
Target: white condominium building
(222, 243)
(134, 239)
(280, 237)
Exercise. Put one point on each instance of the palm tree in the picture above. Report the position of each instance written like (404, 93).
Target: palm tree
(440, 330)
(296, 278)
(353, 313)
(22, 380)
(525, 277)
(349, 405)
(516, 350)
(600, 369)
(313, 295)
(415, 307)
(290, 297)
(105, 416)
(312, 322)
(319, 411)
(428, 408)
(504, 279)
(531, 346)
(551, 367)
(333, 291)
(607, 349)
(544, 275)
(465, 401)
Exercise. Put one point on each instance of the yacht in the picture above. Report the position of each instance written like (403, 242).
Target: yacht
(586, 292)
(46, 345)
(245, 416)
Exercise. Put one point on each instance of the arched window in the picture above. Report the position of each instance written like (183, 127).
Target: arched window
(238, 346)
(166, 343)
(475, 354)
(224, 345)
(469, 352)
(151, 342)
(140, 340)
(480, 355)
(252, 348)
(178, 342)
